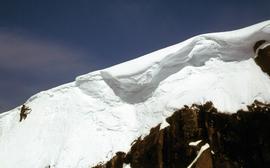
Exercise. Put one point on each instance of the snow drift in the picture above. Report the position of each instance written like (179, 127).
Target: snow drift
(84, 122)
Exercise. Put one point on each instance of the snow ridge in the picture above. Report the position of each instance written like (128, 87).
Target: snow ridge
(84, 122)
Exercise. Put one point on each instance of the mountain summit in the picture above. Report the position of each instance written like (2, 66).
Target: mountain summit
(87, 121)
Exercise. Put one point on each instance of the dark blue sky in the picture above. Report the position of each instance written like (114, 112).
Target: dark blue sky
(47, 43)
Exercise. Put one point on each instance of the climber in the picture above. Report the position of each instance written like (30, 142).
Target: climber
(24, 112)
(262, 55)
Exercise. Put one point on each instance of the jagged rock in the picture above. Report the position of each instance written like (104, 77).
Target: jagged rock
(262, 50)
(236, 140)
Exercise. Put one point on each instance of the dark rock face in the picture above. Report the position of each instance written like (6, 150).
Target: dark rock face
(263, 55)
(241, 139)
(237, 140)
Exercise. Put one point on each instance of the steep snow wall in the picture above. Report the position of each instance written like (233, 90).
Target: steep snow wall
(79, 124)
(135, 81)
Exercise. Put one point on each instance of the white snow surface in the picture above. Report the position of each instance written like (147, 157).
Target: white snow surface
(196, 143)
(82, 123)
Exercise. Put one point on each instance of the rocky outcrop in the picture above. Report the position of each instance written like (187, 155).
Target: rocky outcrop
(201, 137)
(262, 55)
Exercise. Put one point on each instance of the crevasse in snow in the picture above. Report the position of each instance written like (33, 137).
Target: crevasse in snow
(84, 122)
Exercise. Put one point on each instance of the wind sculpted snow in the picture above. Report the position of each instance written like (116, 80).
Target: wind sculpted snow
(136, 80)
(84, 122)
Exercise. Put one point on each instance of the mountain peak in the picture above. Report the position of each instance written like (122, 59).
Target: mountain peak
(87, 121)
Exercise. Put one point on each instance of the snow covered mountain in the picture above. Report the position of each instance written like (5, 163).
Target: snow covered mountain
(87, 121)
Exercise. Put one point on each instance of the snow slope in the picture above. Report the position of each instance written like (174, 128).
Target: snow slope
(81, 123)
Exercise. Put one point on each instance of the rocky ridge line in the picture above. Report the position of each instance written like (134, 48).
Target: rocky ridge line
(235, 140)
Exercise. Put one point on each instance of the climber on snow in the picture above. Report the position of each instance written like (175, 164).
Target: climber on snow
(24, 112)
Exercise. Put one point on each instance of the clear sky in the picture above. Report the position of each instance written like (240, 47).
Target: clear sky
(47, 43)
